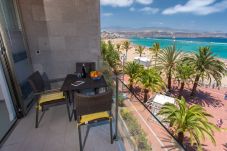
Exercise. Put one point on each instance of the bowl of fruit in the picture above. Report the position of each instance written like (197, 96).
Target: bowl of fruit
(95, 75)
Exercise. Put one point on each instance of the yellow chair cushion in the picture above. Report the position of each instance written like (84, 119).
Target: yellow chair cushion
(50, 97)
(95, 116)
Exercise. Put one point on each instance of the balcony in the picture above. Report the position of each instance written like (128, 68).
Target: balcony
(56, 133)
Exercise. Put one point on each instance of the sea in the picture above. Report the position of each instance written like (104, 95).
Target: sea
(218, 45)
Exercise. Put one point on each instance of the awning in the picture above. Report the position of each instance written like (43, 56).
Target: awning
(162, 99)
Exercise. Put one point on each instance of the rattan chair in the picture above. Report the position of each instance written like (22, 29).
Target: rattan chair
(45, 96)
(92, 109)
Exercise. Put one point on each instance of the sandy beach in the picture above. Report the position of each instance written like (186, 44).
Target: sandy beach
(132, 54)
(212, 99)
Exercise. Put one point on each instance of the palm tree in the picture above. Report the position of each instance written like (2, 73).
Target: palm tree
(111, 56)
(156, 50)
(113, 59)
(132, 69)
(206, 66)
(126, 45)
(151, 80)
(104, 49)
(110, 45)
(190, 120)
(184, 72)
(118, 47)
(168, 59)
(140, 50)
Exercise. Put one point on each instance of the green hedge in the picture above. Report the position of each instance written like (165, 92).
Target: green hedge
(136, 131)
(121, 100)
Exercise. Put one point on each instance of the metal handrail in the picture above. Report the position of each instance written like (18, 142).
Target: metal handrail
(117, 88)
(183, 147)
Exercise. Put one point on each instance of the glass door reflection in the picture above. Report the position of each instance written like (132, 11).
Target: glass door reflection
(7, 112)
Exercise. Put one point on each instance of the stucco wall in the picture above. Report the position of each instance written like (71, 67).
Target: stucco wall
(63, 31)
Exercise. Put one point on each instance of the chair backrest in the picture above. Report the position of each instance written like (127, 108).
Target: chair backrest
(46, 80)
(90, 66)
(36, 82)
(93, 104)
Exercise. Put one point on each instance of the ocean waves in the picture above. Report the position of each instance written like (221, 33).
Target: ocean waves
(217, 45)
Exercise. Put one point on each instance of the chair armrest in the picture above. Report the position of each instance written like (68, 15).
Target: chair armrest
(47, 91)
(52, 90)
(57, 80)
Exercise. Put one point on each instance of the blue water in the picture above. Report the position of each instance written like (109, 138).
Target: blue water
(218, 45)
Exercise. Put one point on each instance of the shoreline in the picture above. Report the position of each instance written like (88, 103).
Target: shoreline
(131, 54)
(119, 40)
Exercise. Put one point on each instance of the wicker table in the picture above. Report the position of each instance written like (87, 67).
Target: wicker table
(69, 89)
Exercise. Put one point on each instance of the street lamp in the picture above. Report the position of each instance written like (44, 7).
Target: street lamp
(123, 59)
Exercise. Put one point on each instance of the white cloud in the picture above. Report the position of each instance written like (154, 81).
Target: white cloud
(117, 3)
(149, 10)
(124, 3)
(145, 2)
(155, 23)
(107, 14)
(132, 9)
(198, 7)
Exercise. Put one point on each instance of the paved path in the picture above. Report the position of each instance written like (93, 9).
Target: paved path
(218, 112)
(160, 140)
(213, 101)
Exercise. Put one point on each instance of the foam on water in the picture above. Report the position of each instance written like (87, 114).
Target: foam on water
(217, 45)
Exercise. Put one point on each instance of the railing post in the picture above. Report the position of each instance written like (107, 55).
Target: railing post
(116, 110)
(123, 64)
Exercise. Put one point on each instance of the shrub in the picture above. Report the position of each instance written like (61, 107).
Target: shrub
(121, 100)
(136, 131)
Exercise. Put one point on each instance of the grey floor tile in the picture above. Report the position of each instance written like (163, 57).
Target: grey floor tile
(56, 133)
(13, 147)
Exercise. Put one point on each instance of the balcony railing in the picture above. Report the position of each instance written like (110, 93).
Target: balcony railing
(137, 126)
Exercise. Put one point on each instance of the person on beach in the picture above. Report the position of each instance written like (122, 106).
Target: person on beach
(225, 97)
(213, 85)
(219, 123)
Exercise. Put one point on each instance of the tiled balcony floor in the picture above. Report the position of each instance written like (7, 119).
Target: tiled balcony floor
(56, 133)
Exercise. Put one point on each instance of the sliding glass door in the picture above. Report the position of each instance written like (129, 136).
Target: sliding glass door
(16, 51)
(7, 111)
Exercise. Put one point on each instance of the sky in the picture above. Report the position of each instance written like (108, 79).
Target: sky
(196, 15)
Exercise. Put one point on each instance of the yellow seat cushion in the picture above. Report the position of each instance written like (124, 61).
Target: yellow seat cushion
(95, 116)
(51, 96)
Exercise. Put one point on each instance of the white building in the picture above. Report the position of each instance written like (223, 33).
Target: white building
(143, 61)
(158, 101)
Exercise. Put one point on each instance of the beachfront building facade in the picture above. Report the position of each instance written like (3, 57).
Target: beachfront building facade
(48, 36)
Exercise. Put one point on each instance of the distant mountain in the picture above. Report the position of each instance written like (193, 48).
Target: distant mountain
(161, 32)
(143, 29)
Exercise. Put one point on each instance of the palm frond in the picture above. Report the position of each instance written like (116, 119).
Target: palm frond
(189, 119)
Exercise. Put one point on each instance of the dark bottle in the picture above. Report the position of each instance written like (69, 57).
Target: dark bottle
(84, 74)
